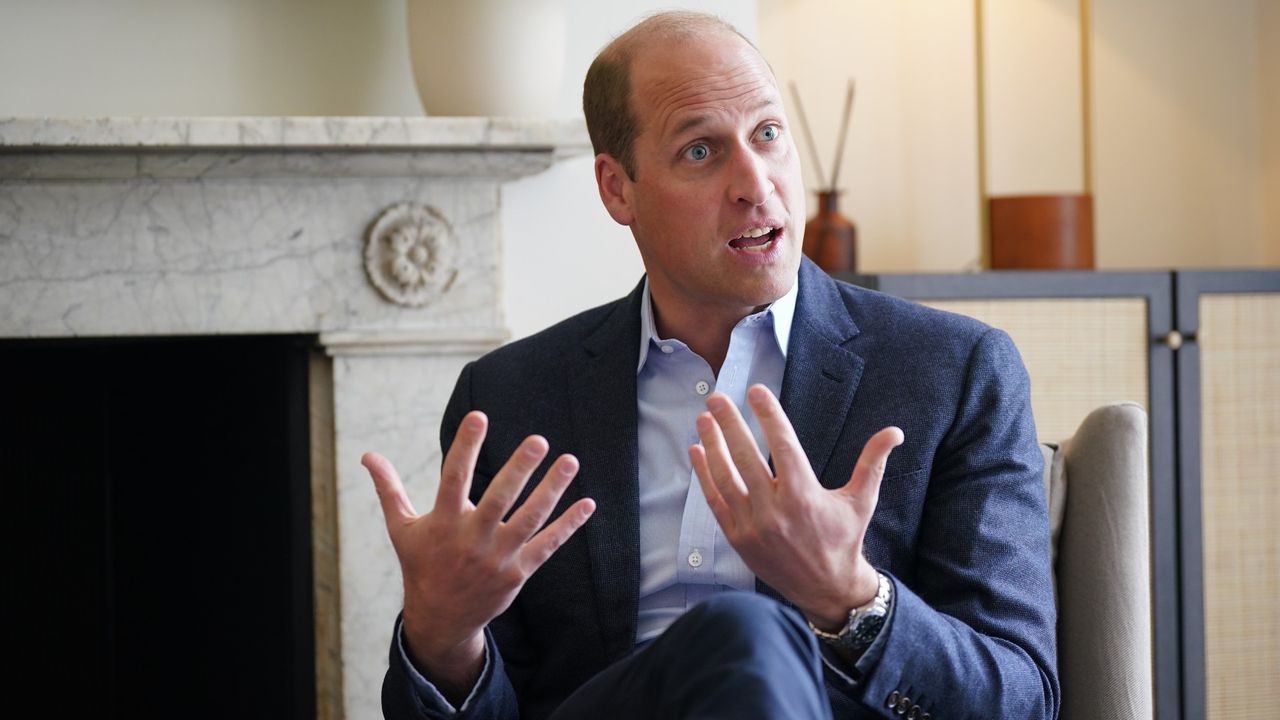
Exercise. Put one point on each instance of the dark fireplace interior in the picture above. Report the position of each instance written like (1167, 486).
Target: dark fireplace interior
(157, 504)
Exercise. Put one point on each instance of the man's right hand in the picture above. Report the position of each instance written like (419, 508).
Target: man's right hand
(462, 564)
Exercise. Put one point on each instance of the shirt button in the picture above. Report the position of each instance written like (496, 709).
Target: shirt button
(702, 388)
(667, 349)
(695, 559)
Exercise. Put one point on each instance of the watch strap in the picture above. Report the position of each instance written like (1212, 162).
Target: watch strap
(865, 621)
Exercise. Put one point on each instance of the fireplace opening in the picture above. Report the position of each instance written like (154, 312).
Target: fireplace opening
(158, 504)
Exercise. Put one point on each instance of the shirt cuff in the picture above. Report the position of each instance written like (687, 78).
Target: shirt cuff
(431, 697)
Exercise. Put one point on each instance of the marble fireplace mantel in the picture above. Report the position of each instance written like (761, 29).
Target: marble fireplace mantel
(378, 235)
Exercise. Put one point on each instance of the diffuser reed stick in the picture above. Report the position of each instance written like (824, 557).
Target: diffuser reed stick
(844, 134)
(804, 125)
(840, 141)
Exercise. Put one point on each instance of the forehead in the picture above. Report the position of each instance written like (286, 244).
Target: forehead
(677, 80)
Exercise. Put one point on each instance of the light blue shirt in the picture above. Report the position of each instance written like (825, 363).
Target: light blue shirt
(684, 556)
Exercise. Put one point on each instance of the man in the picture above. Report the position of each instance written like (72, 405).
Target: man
(914, 585)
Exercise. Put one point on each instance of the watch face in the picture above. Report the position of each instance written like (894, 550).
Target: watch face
(865, 631)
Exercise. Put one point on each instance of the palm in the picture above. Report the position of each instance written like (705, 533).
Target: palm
(802, 539)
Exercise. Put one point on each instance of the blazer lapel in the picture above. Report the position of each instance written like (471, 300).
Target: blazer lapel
(604, 418)
(821, 376)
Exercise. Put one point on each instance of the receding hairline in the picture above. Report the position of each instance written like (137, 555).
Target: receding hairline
(666, 26)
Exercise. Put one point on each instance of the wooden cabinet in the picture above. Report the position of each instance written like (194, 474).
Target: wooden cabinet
(1200, 350)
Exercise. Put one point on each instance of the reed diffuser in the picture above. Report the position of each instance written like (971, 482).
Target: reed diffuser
(830, 239)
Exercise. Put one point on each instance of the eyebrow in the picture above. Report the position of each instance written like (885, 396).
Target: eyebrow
(696, 120)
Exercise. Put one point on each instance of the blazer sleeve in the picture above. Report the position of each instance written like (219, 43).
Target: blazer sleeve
(973, 636)
(494, 697)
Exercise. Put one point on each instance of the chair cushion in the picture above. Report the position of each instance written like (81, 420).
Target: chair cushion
(1103, 568)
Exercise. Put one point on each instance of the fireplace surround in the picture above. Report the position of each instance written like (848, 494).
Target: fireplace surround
(379, 237)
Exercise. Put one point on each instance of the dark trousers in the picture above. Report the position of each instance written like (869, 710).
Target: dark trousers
(738, 655)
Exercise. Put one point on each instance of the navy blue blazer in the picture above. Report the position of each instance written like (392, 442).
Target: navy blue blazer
(960, 527)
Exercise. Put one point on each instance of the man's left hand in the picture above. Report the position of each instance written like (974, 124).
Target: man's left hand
(802, 539)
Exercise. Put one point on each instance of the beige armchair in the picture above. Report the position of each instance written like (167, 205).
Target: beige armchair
(1097, 488)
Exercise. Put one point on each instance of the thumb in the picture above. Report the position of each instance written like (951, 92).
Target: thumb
(864, 484)
(396, 507)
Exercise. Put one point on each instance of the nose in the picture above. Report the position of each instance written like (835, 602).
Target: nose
(749, 179)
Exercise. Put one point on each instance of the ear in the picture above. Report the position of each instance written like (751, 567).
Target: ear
(615, 189)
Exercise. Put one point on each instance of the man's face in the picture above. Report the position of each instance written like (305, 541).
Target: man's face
(717, 203)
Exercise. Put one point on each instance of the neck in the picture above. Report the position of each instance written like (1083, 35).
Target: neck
(706, 332)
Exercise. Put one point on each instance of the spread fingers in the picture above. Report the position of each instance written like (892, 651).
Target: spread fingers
(501, 494)
(533, 514)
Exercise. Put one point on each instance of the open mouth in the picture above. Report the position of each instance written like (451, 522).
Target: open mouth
(759, 239)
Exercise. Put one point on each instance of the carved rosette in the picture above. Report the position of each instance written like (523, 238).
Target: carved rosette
(411, 254)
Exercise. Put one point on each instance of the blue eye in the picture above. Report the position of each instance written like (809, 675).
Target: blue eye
(769, 133)
(698, 152)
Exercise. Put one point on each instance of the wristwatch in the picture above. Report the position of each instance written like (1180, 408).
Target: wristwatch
(864, 621)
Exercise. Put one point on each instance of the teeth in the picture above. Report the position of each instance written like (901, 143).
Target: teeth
(757, 232)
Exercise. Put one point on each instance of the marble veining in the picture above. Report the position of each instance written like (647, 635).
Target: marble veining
(357, 133)
(215, 256)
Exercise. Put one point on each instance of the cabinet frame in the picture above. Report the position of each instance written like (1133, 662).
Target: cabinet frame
(1189, 287)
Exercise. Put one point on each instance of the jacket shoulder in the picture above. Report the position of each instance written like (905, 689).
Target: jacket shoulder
(546, 351)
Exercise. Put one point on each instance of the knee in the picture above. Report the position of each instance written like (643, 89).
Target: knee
(741, 655)
(749, 622)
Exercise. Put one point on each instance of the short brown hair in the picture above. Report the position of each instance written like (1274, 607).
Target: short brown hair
(606, 92)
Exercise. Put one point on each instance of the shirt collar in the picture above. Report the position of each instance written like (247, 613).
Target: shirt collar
(782, 310)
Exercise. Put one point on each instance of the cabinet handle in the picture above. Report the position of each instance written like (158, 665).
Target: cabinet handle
(1174, 339)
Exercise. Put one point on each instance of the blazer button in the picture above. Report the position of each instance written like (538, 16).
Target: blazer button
(903, 705)
(892, 701)
(914, 713)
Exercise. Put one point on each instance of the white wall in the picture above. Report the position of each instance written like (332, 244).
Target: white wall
(909, 173)
(1033, 91)
(195, 57)
(1269, 108)
(1177, 152)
